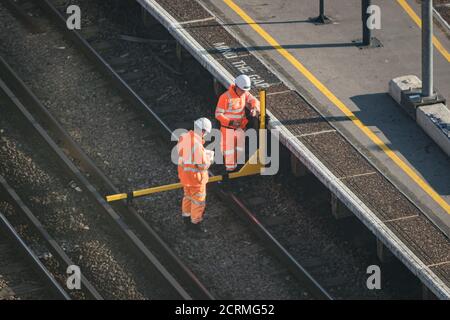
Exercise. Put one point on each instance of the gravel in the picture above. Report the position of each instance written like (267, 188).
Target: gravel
(15, 272)
(337, 253)
(295, 115)
(340, 157)
(430, 247)
(382, 197)
(210, 33)
(443, 271)
(184, 10)
(67, 214)
(117, 143)
(37, 244)
(444, 11)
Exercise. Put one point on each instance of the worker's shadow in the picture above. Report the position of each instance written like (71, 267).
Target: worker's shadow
(382, 114)
(268, 47)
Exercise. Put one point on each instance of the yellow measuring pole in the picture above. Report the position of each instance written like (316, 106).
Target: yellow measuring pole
(252, 167)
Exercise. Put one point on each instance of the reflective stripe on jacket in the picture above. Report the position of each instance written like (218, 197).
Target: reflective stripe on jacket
(231, 107)
(193, 161)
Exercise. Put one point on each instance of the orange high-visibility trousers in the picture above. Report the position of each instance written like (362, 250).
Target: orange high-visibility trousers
(194, 202)
(233, 147)
(230, 111)
(193, 166)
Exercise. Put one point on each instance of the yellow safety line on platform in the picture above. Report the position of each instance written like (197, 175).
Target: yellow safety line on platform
(320, 86)
(418, 21)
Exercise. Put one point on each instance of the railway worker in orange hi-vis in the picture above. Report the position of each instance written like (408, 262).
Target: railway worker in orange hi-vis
(230, 112)
(193, 163)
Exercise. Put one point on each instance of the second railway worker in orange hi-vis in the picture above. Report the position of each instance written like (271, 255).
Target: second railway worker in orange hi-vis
(230, 112)
(193, 163)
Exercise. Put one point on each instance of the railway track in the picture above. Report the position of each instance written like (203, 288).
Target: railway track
(313, 288)
(88, 202)
(279, 282)
(22, 274)
(33, 232)
(107, 147)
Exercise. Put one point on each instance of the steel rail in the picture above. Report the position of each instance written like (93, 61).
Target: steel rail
(282, 254)
(8, 194)
(298, 149)
(124, 230)
(22, 248)
(152, 240)
(29, 21)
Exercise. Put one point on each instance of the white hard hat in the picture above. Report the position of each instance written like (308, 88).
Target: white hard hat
(203, 124)
(243, 82)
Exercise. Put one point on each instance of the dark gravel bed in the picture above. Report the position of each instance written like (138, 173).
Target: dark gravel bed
(382, 197)
(234, 265)
(349, 161)
(15, 271)
(119, 146)
(295, 115)
(184, 10)
(211, 33)
(66, 211)
(69, 215)
(38, 246)
(11, 281)
(201, 103)
(297, 212)
(429, 246)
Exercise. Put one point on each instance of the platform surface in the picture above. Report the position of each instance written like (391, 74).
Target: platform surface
(358, 78)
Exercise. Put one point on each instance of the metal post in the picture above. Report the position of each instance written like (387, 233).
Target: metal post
(367, 33)
(322, 8)
(322, 18)
(427, 49)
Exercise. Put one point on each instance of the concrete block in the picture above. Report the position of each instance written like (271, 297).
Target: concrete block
(338, 209)
(401, 84)
(435, 121)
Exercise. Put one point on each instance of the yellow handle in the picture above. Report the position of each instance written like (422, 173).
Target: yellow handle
(262, 127)
(262, 107)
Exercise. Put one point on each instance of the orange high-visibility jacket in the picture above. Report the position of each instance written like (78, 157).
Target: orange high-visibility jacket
(232, 107)
(193, 161)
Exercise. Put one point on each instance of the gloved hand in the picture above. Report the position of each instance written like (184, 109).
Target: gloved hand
(235, 123)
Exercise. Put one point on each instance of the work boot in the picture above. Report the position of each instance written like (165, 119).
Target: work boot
(198, 230)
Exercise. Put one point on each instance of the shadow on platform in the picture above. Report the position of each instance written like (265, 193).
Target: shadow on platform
(380, 112)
